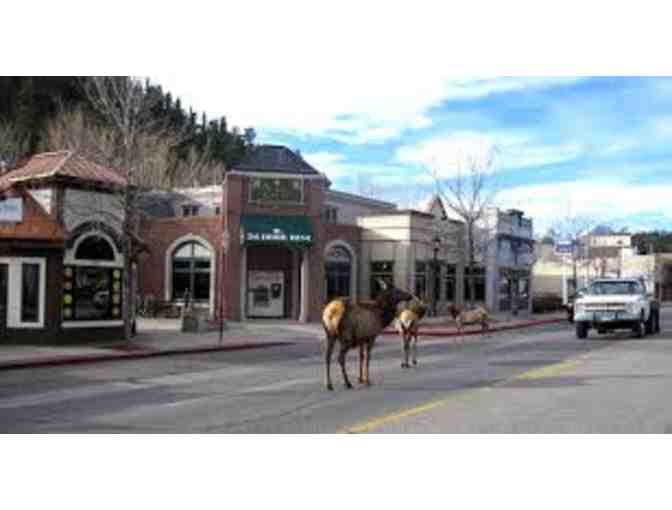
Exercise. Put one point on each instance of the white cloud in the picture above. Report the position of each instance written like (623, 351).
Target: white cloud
(330, 163)
(603, 200)
(356, 98)
(446, 154)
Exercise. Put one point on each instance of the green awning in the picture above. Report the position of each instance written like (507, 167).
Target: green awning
(293, 230)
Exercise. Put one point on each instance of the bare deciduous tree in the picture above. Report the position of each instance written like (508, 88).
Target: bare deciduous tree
(571, 229)
(469, 194)
(136, 136)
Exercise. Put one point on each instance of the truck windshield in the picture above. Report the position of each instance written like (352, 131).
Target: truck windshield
(611, 288)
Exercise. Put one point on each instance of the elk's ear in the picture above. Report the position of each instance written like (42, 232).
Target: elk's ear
(382, 283)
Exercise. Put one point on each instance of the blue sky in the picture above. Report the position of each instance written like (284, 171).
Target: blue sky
(564, 146)
(373, 96)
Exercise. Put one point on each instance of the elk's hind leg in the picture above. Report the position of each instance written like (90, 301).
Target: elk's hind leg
(362, 347)
(406, 340)
(327, 361)
(415, 347)
(369, 346)
(341, 361)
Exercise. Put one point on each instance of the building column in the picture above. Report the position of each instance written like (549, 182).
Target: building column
(243, 283)
(305, 287)
(296, 284)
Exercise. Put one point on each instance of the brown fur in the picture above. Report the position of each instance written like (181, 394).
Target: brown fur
(357, 325)
(478, 315)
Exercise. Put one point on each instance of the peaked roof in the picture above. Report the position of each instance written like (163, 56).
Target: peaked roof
(37, 225)
(274, 159)
(62, 164)
(432, 203)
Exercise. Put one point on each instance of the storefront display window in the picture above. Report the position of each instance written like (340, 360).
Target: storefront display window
(92, 293)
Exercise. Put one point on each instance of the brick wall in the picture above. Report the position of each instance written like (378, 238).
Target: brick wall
(160, 234)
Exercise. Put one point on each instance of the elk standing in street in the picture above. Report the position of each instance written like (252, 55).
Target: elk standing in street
(478, 315)
(358, 325)
(408, 324)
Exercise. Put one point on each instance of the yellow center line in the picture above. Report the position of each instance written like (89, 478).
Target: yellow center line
(464, 395)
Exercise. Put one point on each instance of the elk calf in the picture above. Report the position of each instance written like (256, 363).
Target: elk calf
(408, 325)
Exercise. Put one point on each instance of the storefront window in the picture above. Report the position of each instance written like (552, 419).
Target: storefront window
(478, 278)
(92, 293)
(191, 272)
(30, 293)
(22, 292)
(450, 282)
(338, 273)
(384, 271)
(421, 280)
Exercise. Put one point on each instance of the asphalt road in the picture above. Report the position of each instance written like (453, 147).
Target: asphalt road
(538, 379)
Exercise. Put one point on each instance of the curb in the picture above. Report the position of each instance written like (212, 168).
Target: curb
(96, 358)
(452, 332)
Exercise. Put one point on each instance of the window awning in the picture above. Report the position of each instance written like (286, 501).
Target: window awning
(291, 230)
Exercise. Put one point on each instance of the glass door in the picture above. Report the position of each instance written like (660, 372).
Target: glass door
(4, 273)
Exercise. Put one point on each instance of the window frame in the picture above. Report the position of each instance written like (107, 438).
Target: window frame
(192, 271)
(70, 260)
(373, 275)
(15, 290)
(251, 187)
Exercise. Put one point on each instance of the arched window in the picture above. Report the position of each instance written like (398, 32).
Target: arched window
(191, 271)
(95, 248)
(338, 270)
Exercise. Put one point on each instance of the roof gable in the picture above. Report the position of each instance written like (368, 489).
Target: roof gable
(274, 159)
(65, 164)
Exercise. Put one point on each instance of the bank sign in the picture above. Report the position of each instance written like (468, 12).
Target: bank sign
(276, 235)
(11, 210)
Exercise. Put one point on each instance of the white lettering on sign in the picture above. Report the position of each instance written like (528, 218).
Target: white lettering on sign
(278, 235)
(11, 210)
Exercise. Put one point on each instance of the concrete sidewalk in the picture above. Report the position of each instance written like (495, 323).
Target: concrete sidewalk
(162, 337)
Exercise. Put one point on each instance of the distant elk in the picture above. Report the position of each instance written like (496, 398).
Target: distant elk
(408, 325)
(478, 315)
(358, 325)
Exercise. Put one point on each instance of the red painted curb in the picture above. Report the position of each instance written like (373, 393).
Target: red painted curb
(445, 332)
(95, 358)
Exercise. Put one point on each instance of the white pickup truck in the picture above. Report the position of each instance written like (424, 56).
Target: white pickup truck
(610, 304)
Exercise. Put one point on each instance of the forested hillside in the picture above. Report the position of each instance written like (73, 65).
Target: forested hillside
(29, 104)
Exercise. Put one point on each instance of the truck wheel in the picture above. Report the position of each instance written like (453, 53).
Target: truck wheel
(581, 330)
(639, 329)
(650, 327)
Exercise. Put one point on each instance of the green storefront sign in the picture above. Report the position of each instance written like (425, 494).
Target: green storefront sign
(293, 230)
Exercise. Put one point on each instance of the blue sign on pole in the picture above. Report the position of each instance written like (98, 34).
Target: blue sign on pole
(564, 247)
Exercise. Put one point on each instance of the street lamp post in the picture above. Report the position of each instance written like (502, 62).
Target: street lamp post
(436, 244)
